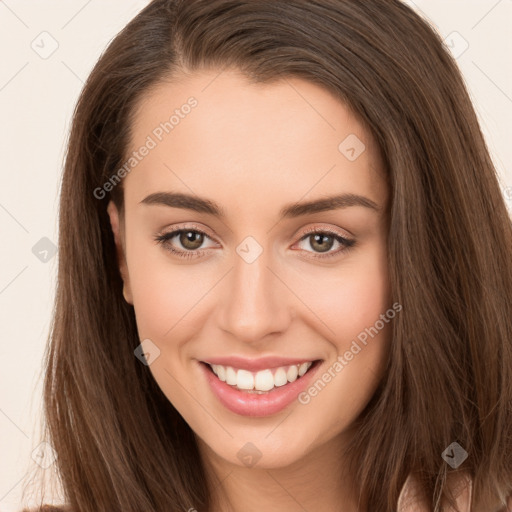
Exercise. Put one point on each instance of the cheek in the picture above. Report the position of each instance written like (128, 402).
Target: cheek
(348, 298)
(353, 310)
(163, 289)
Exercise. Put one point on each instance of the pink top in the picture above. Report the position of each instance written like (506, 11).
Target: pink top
(410, 496)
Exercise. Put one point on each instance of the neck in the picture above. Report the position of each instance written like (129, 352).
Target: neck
(316, 481)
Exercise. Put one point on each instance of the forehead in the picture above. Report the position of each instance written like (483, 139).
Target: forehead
(215, 131)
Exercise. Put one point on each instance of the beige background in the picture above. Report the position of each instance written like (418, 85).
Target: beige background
(37, 97)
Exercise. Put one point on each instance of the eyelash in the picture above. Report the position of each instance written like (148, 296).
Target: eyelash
(165, 238)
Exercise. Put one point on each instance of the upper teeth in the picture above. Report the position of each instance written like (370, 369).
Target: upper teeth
(263, 380)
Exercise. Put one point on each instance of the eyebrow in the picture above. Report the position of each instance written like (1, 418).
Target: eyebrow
(203, 205)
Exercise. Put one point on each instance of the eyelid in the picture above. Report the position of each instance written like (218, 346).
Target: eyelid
(190, 226)
(333, 231)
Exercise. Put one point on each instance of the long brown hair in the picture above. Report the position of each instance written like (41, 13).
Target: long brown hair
(120, 443)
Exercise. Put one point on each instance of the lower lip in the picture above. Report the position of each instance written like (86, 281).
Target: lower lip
(254, 404)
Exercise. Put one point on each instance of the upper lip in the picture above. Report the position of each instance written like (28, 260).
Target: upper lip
(262, 363)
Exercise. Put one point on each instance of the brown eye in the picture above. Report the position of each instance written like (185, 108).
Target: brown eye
(185, 243)
(321, 242)
(191, 240)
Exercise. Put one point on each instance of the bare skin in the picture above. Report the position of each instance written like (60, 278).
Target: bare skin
(254, 149)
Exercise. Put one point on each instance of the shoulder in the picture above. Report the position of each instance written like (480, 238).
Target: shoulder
(412, 499)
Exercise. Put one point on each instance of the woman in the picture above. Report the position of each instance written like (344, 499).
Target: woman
(285, 274)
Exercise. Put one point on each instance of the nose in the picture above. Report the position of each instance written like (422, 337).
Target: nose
(256, 302)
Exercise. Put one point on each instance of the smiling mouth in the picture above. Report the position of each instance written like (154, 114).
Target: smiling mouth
(263, 381)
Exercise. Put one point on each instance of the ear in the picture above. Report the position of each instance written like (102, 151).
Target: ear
(113, 213)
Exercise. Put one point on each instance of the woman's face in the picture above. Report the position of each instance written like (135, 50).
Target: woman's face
(261, 280)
